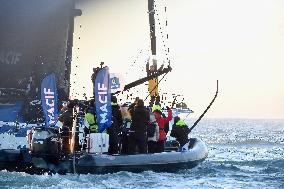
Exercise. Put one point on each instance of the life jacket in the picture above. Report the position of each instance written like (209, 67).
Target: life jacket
(180, 131)
(156, 107)
(89, 122)
(114, 104)
(180, 123)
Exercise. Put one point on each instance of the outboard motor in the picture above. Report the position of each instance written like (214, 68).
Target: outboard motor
(45, 142)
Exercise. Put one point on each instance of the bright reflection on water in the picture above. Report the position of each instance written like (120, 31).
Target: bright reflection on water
(242, 154)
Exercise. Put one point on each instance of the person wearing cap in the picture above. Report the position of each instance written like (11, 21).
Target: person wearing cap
(115, 127)
(180, 131)
(161, 123)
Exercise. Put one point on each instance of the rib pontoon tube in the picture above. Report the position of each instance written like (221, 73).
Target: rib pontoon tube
(166, 161)
(22, 160)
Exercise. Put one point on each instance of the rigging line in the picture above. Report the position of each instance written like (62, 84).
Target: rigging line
(165, 49)
(157, 12)
(163, 36)
(135, 61)
(156, 86)
(166, 58)
(159, 22)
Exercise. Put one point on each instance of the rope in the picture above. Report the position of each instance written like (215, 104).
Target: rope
(135, 62)
(163, 36)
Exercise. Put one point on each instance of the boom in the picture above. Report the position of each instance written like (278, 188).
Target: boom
(143, 80)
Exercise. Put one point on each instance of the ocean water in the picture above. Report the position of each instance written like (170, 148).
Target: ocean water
(242, 154)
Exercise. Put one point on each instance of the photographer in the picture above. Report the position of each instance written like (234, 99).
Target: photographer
(66, 117)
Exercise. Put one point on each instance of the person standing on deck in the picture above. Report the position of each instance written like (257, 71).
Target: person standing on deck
(138, 130)
(126, 117)
(161, 123)
(90, 125)
(66, 118)
(115, 127)
(90, 119)
(152, 134)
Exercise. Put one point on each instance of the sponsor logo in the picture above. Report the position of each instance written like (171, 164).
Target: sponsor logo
(102, 92)
(49, 101)
(10, 57)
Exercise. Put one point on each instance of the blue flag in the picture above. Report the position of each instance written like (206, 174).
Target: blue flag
(103, 99)
(116, 82)
(49, 100)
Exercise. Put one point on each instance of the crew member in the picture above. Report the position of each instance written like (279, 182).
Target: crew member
(90, 125)
(138, 129)
(125, 129)
(152, 134)
(115, 127)
(161, 122)
(66, 117)
(180, 131)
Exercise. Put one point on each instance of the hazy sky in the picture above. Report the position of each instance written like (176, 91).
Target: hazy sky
(238, 42)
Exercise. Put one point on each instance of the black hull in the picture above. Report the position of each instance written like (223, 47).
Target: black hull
(170, 168)
(37, 40)
(66, 167)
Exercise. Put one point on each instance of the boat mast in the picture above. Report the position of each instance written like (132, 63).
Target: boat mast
(152, 72)
(151, 69)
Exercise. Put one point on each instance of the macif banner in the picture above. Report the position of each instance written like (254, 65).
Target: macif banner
(103, 99)
(49, 100)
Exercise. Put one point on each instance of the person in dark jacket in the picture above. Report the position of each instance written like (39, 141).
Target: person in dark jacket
(132, 106)
(125, 129)
(115, 127)
(180, 131)
(138, 130)
(66, 117)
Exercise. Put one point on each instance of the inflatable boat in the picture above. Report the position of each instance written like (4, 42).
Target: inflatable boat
(189, 156)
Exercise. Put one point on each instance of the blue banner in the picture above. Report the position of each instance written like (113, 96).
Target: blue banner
(49, 100)
(103, 99)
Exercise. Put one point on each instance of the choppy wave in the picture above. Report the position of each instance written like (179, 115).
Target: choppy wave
(210, 174)
(242, 154)
(233, 131)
